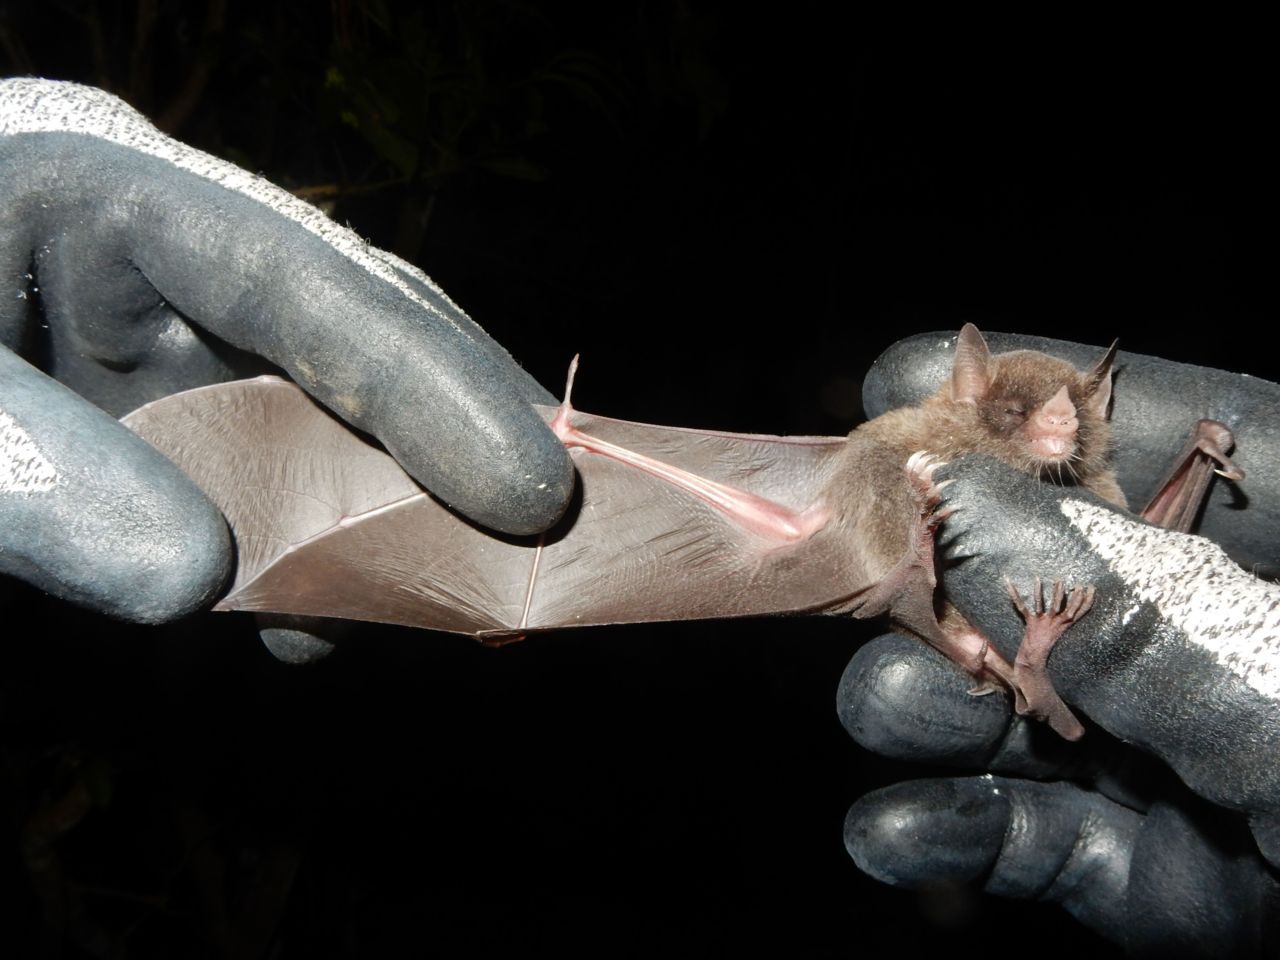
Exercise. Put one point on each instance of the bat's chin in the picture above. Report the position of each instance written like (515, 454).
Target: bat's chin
(1051, 450)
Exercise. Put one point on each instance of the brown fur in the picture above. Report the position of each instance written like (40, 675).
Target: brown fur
(870, 489)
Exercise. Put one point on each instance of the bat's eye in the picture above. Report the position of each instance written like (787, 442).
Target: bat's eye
(1014, 412)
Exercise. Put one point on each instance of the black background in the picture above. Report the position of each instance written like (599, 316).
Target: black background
(729, 215)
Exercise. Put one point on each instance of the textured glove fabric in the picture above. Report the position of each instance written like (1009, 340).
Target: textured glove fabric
(137, 266)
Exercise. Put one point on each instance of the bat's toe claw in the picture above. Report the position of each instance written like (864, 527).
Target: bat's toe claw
(920, 469)
(918, 464)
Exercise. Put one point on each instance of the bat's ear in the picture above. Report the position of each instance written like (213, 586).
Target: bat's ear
(971, 369)
(1096, 384)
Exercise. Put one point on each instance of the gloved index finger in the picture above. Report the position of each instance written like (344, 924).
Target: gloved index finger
(367, 334)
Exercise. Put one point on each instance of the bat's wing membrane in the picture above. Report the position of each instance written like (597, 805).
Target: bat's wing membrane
(641, 548)
(328, 524)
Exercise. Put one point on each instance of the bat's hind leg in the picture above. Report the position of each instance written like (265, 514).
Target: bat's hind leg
(1033, 691)
(908, 592)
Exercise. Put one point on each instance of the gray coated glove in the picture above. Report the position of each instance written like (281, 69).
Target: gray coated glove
(1161, 828)
(134, 266)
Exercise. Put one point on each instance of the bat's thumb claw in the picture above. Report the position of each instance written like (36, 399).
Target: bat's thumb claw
(568, 385)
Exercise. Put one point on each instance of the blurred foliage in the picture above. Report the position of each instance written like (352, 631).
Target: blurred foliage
(444, 90)
(430, 99)
(365, 96)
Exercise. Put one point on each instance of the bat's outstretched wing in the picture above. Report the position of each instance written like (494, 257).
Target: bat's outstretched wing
(327, 524)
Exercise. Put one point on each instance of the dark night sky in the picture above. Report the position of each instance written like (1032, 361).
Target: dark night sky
(644, 184)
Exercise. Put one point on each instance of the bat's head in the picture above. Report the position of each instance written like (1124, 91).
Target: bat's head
(1033, 411)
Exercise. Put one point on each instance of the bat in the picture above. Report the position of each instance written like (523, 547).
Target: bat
(1028, 409)
(667, 523)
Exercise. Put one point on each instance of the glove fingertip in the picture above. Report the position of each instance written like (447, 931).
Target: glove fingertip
(925, 831)
(901, 699)
(525, 497)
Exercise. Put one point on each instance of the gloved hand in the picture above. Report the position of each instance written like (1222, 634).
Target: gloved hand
(1161, 828)
(136, 266)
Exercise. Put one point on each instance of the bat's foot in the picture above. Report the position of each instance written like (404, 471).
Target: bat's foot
(926, 495)
(1034, 695)
(990, 671)
(927, 516)
(965, 645)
